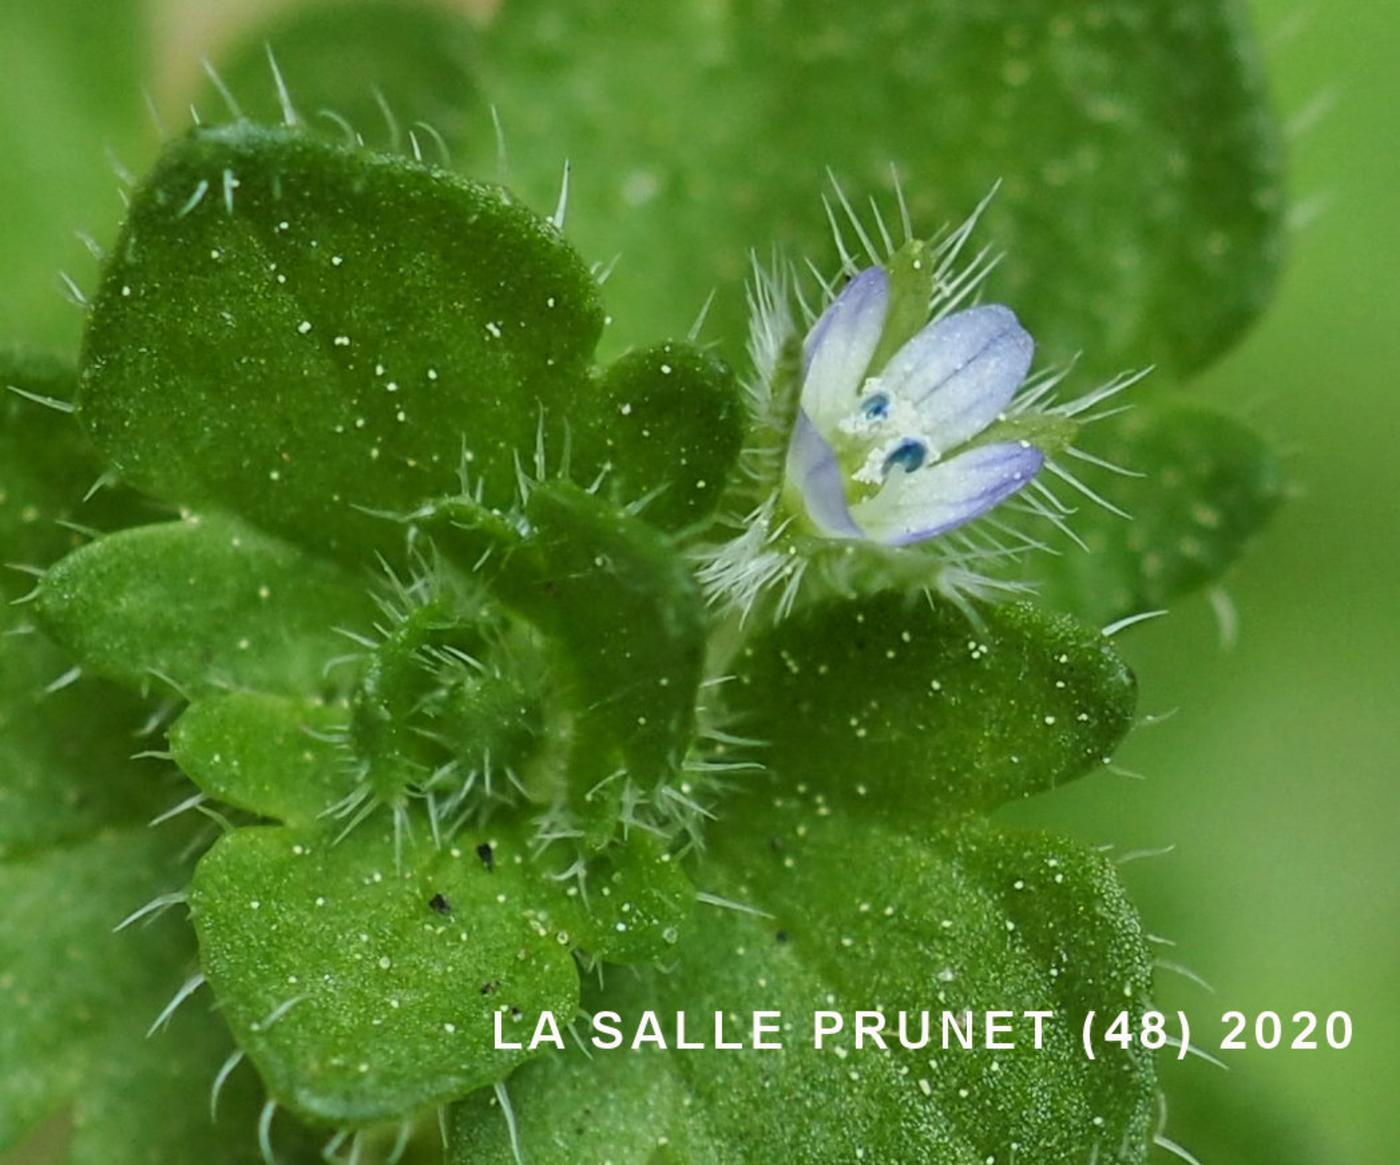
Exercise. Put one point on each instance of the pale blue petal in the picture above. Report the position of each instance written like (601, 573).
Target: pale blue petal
(930, 501)
(961, 372)
(813, 470)
(836, 354)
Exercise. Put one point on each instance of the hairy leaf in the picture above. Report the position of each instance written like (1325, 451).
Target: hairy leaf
(264, 753)
(636, 902)
(48, 469)
(65, 749)
(364, 982)
(863, 918)
(619, 602)
(384, 69)
(201, 603)
(149, 1100)
(664, 426)
(64, 976)
(351, 327)
(903, 707)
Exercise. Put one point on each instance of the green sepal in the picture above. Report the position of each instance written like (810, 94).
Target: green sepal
(912, 285)
(619, 601)
(202, 603)
(351, 328)
(901, 706)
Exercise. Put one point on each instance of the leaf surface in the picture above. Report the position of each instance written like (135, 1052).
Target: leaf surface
(902, 707)
(297, 333)
(205, 602)
(863, 918)
(1140, 200)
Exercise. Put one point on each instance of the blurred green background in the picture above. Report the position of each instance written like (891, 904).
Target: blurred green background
(1276, 779)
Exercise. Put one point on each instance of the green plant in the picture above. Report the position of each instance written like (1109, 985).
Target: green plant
(495, 680)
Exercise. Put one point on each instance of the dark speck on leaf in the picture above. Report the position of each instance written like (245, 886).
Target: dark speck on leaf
(781, 936)
(487, 855)
(490, 986)
(440, 904)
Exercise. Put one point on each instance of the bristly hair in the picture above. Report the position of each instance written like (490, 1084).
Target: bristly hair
(979, 562)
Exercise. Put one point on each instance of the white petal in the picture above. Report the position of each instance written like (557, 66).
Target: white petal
(961, 372)
(938, 498)
(837, 351)
(813, 470)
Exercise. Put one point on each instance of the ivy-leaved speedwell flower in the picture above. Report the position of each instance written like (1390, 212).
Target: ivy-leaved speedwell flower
(895, 452)
(900, 437)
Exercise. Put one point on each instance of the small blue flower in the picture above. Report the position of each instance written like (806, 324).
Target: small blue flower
(892, 454)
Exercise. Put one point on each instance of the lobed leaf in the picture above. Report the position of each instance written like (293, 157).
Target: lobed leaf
(363, 978)
(66, 771)
(618, 600)
(65, 978)
(902, 707)
(862, 917)
(48, 469)
(201, 603)
(350, 328)
(637, 901)
(149, 1100)
(268, 754)
(663, 426)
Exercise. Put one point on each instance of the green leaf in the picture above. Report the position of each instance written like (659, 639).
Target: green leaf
(1209, 485)
(364, 982)
(206, 602)
(65, 978)
(1140, 203)
(901, 706)
(665, 424)
(346, 58)
(637, 902)
(264, 753)
(47, 469)
(342, 338)
(862, 918)
(621, 604)
(65, 767)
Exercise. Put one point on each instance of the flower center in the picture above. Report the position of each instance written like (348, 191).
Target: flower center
(908, 455)
(875, 407)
